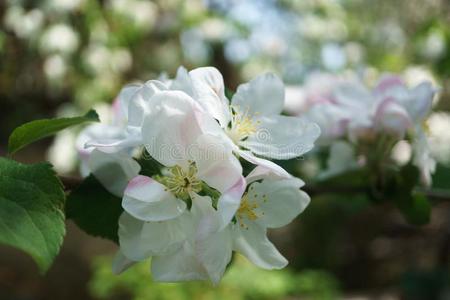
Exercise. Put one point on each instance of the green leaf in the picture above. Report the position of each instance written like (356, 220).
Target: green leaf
(353, 177)
(416, 209)
(31, 210)
(36, 130)
(94, 209)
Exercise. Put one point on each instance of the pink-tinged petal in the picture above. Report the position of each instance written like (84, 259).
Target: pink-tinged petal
(171, 128)
(229, 202)
(276, 169)
(393, 117)
(148, 200)
(208, 89)
(389, 81)
(263, 95)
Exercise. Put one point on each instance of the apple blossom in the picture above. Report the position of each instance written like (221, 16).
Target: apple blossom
(271, 203)
(350, 109)
(196, 207)
(251, 123)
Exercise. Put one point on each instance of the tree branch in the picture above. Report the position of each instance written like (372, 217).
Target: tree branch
(71, 183)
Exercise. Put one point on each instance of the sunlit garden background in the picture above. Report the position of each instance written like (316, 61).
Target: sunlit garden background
(62, 57)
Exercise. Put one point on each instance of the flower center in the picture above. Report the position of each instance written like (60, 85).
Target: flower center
(246, 210)
(180, 182)
(242, 125)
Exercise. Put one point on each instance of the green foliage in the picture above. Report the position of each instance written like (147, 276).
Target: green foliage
(415, 207)
(94, 209)
(431, 284)
(36, 130)
(441, 177)
(31, 210)
(242, 281)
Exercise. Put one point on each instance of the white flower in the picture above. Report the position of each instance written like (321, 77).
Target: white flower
(189, 247)
(129, 110)
(252, 124)
(106, 150)
(173, 134)
(274, 202)
(191, 213)
(204, 255)
(352, 110)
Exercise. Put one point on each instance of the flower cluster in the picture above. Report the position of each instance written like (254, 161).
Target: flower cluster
(348, 109)
(198, 205)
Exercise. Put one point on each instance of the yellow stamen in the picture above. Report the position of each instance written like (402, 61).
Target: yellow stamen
(247, 210)
(180, 182)
(242, 125)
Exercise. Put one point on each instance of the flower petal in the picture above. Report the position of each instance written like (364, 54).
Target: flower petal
(332, 119)
(276, 169)
(213, 245)
(252, 242)
(121, 263)
(391, 116)
(341, 158)
(422, 100)
(140, 103)
(278, 201)
(179, 266)
(140, 240)
(182, 82)
(422, 157)
(120, 106)
(214, 251)
(229, 202)
(170, 145)
(209, 91)
(262, 172)
(216, 164)
(282, 137)
(148, 200)
(263, 95)
(113, 170)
